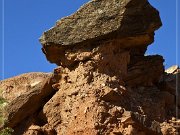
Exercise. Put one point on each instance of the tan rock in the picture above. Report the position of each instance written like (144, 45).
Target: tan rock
(14, 87)
(25, 94)
(104, 84)
(172, 69)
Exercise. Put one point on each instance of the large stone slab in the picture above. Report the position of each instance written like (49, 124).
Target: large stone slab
(130, 23)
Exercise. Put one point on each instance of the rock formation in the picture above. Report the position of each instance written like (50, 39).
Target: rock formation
(25, 94)
(104, 84)
(126, 23)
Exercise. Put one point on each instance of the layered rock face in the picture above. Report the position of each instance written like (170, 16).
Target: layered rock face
(104, 84)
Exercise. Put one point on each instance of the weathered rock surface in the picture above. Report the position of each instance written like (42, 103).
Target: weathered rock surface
(16, 86)
(129, 23)
(89, 102)
(104, 84)
(171, 82)
(25, 94)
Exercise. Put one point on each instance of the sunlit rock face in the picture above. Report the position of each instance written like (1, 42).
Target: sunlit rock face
(103, 85)
(126, 23)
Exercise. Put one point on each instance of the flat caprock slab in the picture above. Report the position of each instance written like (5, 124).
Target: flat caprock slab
(132, 21)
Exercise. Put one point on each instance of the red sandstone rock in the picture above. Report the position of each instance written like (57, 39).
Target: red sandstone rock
(104, 84)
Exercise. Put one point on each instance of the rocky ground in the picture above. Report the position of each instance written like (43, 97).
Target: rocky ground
(104, 84)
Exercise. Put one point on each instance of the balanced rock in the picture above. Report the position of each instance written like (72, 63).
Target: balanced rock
(104, 84)
(128, 23)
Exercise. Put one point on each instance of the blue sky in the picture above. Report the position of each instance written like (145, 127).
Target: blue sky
(25, 21)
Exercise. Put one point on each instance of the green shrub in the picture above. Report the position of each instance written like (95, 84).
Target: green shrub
(6, 131)
(3, 103)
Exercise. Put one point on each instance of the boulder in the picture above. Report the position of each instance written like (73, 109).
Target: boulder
(128, 23)
(25, 94)
(14, 87)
